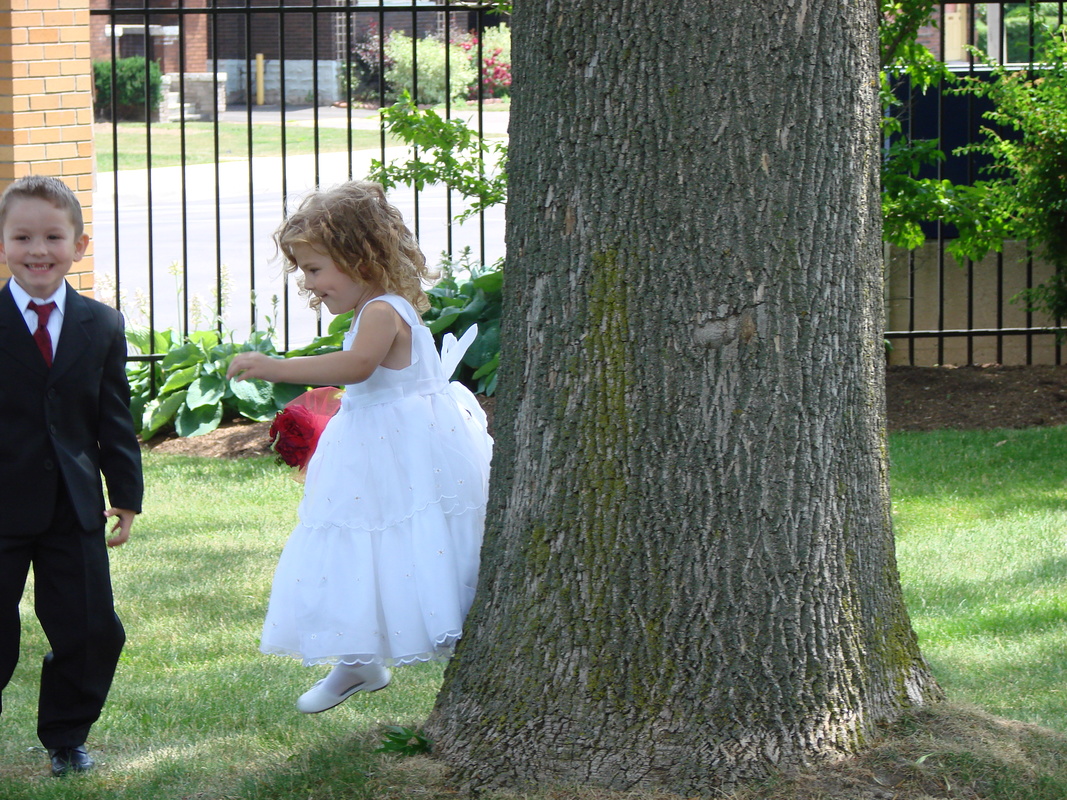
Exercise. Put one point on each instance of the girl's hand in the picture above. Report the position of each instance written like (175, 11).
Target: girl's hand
(251, 365)
(377, 339)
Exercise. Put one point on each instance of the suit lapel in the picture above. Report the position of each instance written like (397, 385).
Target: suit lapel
(75, 335)
(15, 336)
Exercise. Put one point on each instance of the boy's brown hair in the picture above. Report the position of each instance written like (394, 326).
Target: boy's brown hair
(49, 189)
(363, 234)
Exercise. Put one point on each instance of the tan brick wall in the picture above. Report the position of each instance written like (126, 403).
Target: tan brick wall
(46, 102)
(927, 291)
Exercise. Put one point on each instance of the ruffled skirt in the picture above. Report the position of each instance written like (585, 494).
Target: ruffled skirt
(384, 563)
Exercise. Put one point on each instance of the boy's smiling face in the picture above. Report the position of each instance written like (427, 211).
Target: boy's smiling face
(39, 245)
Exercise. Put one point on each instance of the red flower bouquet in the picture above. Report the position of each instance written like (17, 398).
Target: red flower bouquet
(296, 428)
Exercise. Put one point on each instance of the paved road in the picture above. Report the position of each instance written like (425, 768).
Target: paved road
(206, 217)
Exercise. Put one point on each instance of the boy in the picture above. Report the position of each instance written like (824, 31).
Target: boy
(64, 419)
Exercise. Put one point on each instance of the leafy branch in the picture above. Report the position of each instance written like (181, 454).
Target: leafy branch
(446, 151)
(1027, 143)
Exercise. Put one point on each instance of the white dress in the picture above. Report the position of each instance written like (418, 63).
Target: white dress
(383, 565)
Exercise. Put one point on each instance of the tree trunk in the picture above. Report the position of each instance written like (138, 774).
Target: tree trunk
(688, 578)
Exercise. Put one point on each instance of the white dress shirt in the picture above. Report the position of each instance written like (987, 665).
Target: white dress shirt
(55, 321)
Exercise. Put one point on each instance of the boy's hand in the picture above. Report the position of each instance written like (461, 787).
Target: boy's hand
(121, 529)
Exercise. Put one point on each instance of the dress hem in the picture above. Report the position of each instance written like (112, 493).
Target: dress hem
(442, 651)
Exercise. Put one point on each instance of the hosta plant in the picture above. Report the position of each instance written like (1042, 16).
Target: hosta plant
(188, 388)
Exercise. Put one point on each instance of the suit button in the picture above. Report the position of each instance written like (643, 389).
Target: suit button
(51, 394)
(49, 464)
(52, 429)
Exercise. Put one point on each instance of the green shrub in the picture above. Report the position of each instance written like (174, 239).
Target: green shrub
(458, 303)
(496, 60)
(402, 52)
(128, 79)
(1023, 23)
(452, 153)
(188, 389)
(1027, 143)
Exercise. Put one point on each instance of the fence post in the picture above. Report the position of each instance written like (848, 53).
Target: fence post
(46, 102)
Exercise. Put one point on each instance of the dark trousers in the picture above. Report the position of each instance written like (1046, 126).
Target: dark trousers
(73, 601)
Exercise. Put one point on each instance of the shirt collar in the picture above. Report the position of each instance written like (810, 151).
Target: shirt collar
(22, 297)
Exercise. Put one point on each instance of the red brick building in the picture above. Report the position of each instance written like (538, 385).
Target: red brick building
(228, 36)
(124, 35)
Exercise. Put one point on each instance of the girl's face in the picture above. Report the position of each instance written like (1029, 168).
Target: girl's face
(337, 290)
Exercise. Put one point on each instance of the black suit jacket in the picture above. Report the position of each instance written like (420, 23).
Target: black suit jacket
(70, 421)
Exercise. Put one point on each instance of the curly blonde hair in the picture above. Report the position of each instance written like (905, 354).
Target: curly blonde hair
(363, 234)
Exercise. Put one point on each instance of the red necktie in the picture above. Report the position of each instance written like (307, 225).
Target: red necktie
(44, 341)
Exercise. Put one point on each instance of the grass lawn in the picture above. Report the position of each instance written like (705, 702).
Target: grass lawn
(200, 140)
(981, 521)
(198, 712)
(166, 142)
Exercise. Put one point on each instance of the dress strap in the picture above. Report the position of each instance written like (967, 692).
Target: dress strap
(407, 313)
(402, 307)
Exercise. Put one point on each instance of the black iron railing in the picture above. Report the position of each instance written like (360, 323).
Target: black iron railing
(188, 245)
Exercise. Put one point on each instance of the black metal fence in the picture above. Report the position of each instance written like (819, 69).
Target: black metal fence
(262, 93)
(256, 106)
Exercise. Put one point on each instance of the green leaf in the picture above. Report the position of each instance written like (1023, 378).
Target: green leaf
(197, 421)
(404, 741)
(256, 413)
(139, 338)
(253, 391)
(160, 412)
(487, 385)
(474, 310)
(255, 399)
(261, 343)
(224, 352)
(149, 343)
(485, 346)
(184, 356)
(488, 367)
(287, 392)
(444, 294)
(180, 379)
(164, 341)
(445, 321)
(205, 339)
(137, 405)
(490, 282)
(207, 390)
(441, 302)
(340, 324)
(323, 344)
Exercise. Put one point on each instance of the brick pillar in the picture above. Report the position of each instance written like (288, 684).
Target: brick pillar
(46, 102)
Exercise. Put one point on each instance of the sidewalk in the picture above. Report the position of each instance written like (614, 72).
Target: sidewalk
(216, 222)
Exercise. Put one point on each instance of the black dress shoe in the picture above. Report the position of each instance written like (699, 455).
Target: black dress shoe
(66, 760)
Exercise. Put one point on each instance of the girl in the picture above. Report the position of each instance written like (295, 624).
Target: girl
(382, 567)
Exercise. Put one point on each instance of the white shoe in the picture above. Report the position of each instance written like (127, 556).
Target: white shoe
(368, 678)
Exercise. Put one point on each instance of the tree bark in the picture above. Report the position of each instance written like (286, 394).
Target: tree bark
(688, 578)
